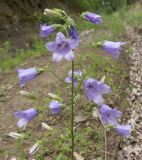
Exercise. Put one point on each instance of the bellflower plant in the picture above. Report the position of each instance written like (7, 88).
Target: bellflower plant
(95, 89)
(55, 106)
(61, 48)
(92, 17)
(66, 40)
(109, 115)
(77, 75)
(113, 48)
(26, 75)
(25, 116)
(45, 30)
(124, 130)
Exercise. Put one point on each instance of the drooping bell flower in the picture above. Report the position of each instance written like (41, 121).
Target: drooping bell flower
(25, 117)
(26, 75)
(74, 34)
(95, 89)
(54, 107)
(109, 115)
(77, 75)
(45, 30)
(124, 130)
(92, 17)
(61, 48)
(113, 48)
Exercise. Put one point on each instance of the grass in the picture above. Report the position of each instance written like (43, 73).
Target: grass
(21, 55)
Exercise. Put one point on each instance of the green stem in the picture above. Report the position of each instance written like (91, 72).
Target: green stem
(72, 111)
(105, 143)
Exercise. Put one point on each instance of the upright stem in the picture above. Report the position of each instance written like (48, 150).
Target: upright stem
(72, 111)
(105, 143)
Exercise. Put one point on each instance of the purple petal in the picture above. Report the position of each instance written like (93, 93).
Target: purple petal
(113, 48)
(46, 30)
(54, 107)
(26, 75)
(103, 88)
(68, 79)
(69, 56)
(97, 98)
(109, 115)
(57, 57)
(124, 130)
(60, 37)
(20, 114)
(22, 123)
(25, 116)
(116, 113)
(50, 46)
(73, 43)
(92, 17)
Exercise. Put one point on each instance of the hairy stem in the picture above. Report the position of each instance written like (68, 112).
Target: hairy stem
(72, 111)
(105, 143)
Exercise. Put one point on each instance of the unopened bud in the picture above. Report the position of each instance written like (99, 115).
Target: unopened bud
(103, 79)
(16, 135)
(27, 94)
(34, 148)
(45, 126)
(51, 13)
(54, 96)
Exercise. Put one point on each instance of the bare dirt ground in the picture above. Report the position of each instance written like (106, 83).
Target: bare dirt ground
(11, 100)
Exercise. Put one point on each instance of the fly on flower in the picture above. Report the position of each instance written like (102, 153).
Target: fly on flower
(109, 115)
(113, 48)
(25, 116)
(26, 75)
(77, 76)
(61, 48)
(92, 17)
(95, 89)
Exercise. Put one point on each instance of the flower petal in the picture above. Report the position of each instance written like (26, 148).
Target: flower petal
(124, 130)
(69, 56)
(68, 79)
(60, 36)
(22, 123)
(57, 57)
(50, 46)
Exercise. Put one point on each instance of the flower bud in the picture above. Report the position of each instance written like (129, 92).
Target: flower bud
(34, 148)
(51, 13)
(54, 96)
(27, 94)
(47, 127)
(16, 135)
(103, 79)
